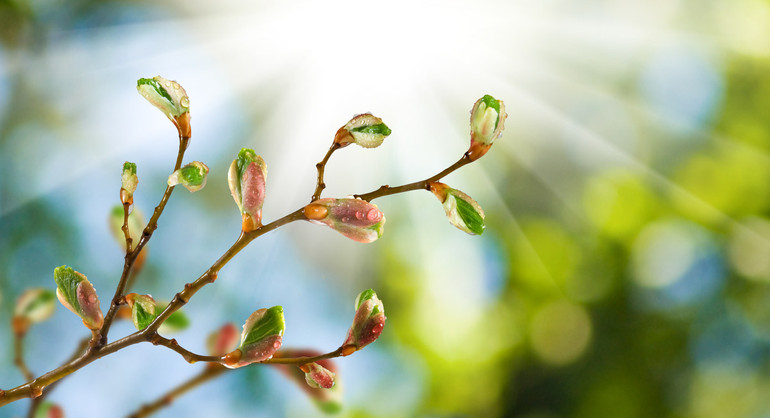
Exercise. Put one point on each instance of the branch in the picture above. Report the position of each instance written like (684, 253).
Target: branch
(209, 373)
(152, 225)
(18, 359)
(424, 184)
(320, 185)
(189, 356)
(305, 360)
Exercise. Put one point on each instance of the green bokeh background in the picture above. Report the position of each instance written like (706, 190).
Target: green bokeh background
(625, 266)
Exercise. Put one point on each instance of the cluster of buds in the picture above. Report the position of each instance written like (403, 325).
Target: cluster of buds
(246, 178)
(365, 130)
(192, 176)
(33, 306)
(262, 335)
(487, 120)
(170, 98)
(462, 211)
(368, 322)
(77, 294)
(356, 219)
(128, 182)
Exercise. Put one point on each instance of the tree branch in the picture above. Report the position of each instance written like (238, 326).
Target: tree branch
(320, 185)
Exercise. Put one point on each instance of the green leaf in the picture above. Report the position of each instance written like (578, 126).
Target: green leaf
(67, 281)
(271, 323)
(157, 87)
(470, 216)
(379, 129)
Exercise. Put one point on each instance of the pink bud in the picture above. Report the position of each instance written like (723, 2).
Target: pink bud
(317, 376)
(223, 340)
(368, 321)
(356, 219)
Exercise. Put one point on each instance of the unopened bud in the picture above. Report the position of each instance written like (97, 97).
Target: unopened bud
(128, 183)
(487, 120)
(35, 305)
(142, 310)
(261, 337)
(368, 321)
(170, 98)
(462, 211)
(328, 400)
(49, 410)
(192, 176)
(77, 294)
(317, 376)
(356, 219)
(246, 178)
(365, 130)
(221, 341)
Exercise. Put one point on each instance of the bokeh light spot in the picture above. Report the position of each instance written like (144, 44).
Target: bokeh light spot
(560, 332)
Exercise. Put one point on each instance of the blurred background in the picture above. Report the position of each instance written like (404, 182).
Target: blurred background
(624, 271)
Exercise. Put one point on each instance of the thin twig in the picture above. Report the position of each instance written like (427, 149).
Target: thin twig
(304, 360)
(18, 358)
(118, 298)
(124, 228)
(189, 356)
(320, 185)
(418, 185)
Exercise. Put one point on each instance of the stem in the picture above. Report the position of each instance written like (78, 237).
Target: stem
(424, 184)
(320, 185)
(18, 359)
(126, 232)
(152, 225)
(210, 372)
(303, 360)
(189, 356)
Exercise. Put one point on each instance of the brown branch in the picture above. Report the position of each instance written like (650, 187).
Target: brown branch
(320, 185)
(152, 225)
(211, 371)
(34, 388)
(124, 228)
(189, 356)
(418, 185)
(304, 360)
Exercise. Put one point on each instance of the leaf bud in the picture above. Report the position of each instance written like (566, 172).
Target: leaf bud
(487, 120)
(328, 400)
(128, 182)
(317, 376)
(462, 211)
(262, 335)
(368, 322)
(246, 178)
(77, 294)
(170, 98)
(356, 219)
(35, 305)
(365, 130)
(192, 176)
(142, 310)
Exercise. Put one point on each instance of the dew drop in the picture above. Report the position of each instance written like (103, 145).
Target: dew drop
(359, 215)
(176, 85)
(373, 215)
(185, 101)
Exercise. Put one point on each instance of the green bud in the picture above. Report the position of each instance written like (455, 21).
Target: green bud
(170, 98)
(462, 211)
(247, 177)
(261, 337)
(487, 123)
(368, 322)
(49, 410)
(192, 176)
(77, 294)
(142, 310)
(365, 130)
(128, 183)
(35, 305)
